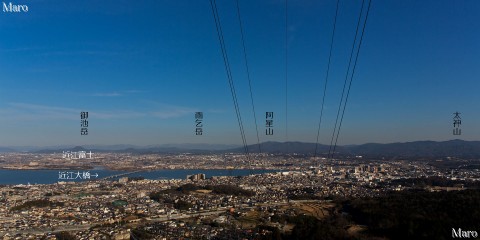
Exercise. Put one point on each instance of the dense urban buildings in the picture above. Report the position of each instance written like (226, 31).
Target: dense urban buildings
(217, 207)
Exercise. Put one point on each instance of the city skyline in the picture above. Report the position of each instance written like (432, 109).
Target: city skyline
(143, 70)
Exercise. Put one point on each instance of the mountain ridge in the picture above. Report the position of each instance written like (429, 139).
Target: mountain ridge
(424, 148)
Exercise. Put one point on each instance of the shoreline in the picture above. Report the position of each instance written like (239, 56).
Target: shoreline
(137, 169)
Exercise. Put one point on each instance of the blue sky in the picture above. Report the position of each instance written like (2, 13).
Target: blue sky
(142, 69)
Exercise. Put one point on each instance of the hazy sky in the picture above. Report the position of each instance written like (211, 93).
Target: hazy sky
(143, 68)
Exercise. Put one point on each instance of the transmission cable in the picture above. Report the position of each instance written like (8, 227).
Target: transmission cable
(326, 78)
(229, 74)
(286, 75)
(248, 74)
(351, 77)
(346, 79)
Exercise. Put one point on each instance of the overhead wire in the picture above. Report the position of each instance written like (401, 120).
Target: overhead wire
(336, 131)
(229, 74)
(286, 75)
(248, 74)
(326, 77)
(330, 155)
(353, 72)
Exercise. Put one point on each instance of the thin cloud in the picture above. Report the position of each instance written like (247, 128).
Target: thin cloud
(110, 94)
(117, 114)
(35, 112)
(216, 111)
(134, 91)
(26, 111)
(81, 52)
(32, 112)
(171, 111)
(116, 93)
(21, 49)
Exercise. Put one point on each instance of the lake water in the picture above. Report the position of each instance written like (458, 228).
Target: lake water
(52, 176)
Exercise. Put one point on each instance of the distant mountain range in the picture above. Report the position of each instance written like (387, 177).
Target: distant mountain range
(6, 149)
(458, 148)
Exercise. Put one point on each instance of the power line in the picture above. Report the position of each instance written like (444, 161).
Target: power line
(346, 79)
(248, 74)
(326, 77)
(353, 72)
(229, 74)
(286, 74)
